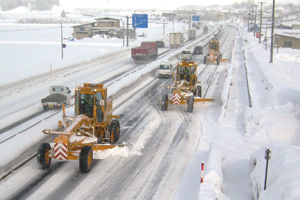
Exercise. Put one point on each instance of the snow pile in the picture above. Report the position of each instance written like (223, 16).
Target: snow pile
(274, 118)
(213, 178)
(280, 183)
(272, 124)
(288, 57)
(133, 149)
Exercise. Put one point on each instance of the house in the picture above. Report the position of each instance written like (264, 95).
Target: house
(102, 25)
(106, 24)
(83, 30)
(287, 38)
(289, 25)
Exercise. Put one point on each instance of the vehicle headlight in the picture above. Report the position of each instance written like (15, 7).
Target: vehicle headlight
(47, 131)
(78, 133)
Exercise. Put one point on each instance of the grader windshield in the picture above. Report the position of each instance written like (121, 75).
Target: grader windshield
(90, 103)
(185, 71)
(214, 44)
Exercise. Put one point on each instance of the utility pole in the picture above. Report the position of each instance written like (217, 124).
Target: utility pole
(127, 32)
(260, 23)
(173, 23)
(254, 26)
(248, 19)
(272, 34)
(123, 34)
(163, 26)
(61, 39)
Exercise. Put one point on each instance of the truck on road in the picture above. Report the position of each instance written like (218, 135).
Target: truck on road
(191, 34)
(57, 96)
(146, 52)
(176, 40)
(205, 29)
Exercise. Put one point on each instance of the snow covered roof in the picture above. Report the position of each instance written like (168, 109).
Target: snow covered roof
(290, 24)
(107, 19)
(288, 32)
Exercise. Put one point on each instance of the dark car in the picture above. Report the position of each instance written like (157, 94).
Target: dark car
(160, 44)
(198, 50)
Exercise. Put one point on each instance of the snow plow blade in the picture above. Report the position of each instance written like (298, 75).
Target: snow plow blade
(202, 99)
(101, 147)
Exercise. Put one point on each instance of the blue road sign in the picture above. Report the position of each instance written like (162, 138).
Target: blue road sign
(139, 20)
(196, 18)
(64, 45)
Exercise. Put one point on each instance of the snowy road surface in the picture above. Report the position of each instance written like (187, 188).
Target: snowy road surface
(159, 145)
(164, 149)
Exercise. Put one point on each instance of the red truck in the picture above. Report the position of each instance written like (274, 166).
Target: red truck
(146, 52)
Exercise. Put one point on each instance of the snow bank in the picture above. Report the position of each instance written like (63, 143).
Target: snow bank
(213, 178)
(280, 183)
(273, 123)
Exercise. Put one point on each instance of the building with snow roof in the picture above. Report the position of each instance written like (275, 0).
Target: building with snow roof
(286, 38)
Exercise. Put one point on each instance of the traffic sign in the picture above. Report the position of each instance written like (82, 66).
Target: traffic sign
(64, 45)
(196, 18)
(139, 20)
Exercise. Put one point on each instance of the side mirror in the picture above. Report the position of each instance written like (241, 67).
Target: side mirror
(102, 103)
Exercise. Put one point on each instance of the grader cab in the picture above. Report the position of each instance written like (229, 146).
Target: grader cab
(213, 55)
(93, 128)
(186, 89)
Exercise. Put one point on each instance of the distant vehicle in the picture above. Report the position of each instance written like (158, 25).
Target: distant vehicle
(198, 50)
(70, 38)
(176, 40)
(192, 34)
(160, 44)
(186, 54)
(146, 52)
(143, 35)
(57, 96)
(213, 55)
(205, 29)
(165, 69)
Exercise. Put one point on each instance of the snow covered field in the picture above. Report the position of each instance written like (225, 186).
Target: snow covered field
(237, 141)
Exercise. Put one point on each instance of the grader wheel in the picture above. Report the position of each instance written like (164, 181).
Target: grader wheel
(190, 106)
(164, 102)
(199, 91)
(116, 124)
(43, 159)
(85, 159)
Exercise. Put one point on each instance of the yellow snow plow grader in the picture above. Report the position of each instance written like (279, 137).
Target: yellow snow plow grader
(213, 55)
(186, 88)
(93, 128)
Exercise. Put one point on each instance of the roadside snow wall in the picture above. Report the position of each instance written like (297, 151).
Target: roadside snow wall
(213, 175)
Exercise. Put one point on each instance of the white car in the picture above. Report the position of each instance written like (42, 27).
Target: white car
(165, 69)
(186, 54)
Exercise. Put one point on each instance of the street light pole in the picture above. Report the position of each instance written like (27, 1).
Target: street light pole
(272, 34)
(260, 23)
